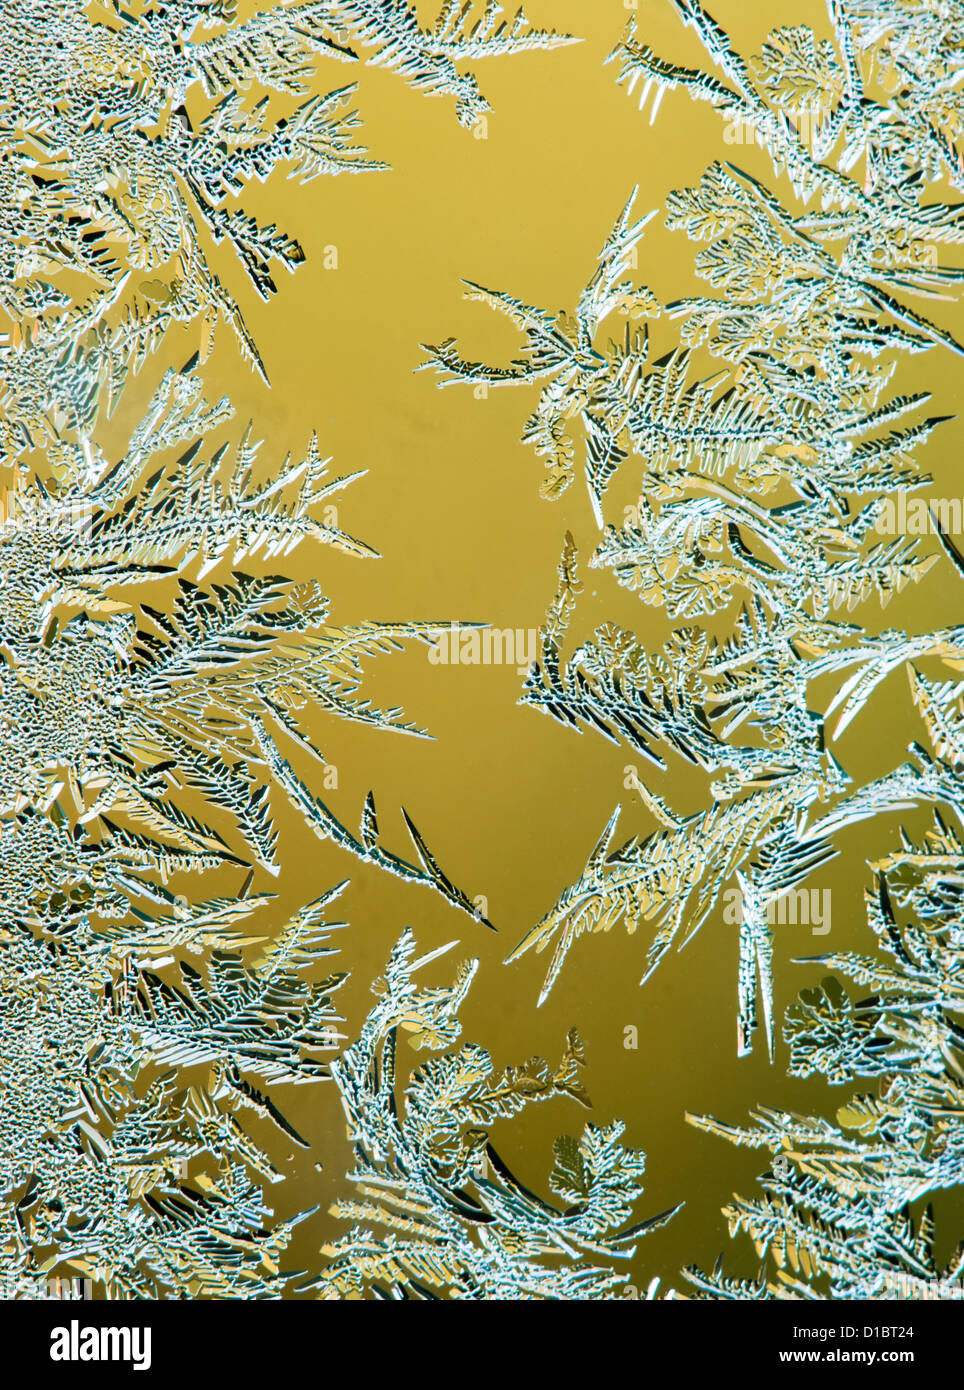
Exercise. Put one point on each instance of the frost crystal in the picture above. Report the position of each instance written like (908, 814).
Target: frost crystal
(455, 1221)
(140, 743)
(161, 671)
(428, 57)
(836, 1219)
(161, 668)
(764, 488)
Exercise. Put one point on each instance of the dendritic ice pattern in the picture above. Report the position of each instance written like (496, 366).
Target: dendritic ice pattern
(198, 1097)
(457, 1220)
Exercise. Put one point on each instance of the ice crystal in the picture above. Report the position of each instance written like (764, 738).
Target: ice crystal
(130, 133)
(455, 1222)
(839, 1217)
(124, 692)
(149, 1190)
(763, 488)
(428, 57)
(140, 742)
(778, 806)
(124, 134)
(161, 674)
(884, 90)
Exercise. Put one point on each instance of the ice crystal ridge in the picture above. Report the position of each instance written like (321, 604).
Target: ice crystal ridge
(427, 57)
(122, 137)
(761, 485)
(159, 670)
(126, 139)
(455, 1221)
(760, 489)
(836, 1219)
(140, 743)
